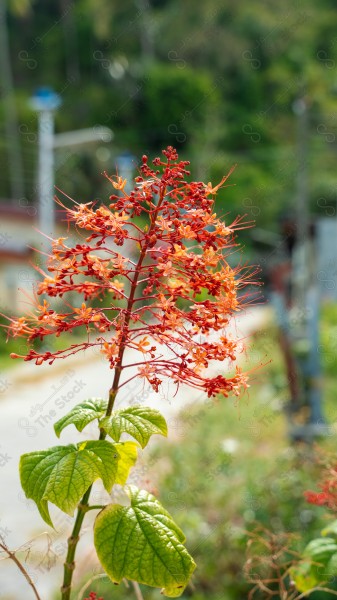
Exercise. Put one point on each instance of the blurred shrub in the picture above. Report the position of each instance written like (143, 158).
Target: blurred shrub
(174, 103)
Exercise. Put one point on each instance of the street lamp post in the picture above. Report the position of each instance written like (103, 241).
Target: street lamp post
(45, 102)
(306, 294)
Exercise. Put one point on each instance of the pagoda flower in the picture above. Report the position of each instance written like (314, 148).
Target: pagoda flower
(170, 302)
(182, 253)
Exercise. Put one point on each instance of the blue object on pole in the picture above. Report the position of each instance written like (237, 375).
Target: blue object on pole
(44, 98)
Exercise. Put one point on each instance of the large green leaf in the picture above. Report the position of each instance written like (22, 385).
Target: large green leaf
(142, 542)
(331, 568)
(127, 457)
(318, 565)
(62, 474)
(138, 421)
(320, 550)
(304, 575)
(330, 530)
(82, 414)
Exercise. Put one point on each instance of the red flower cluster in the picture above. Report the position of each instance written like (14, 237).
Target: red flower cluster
(93, 596)
(328, 496)
(172, 302)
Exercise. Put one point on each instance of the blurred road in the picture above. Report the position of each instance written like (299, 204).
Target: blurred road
(31, 400)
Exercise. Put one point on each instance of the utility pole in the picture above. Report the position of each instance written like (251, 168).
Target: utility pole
(305, 290)
(302, 268)
(45, 102)
(145, 30)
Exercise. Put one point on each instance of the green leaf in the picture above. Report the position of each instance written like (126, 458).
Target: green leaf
(331, 529)
(320, 550)
(128, 455)
(141, 542)
(304, 576)
(82, 414)
(62, 474)
(138, 421)
(318, 565)
(331, 567)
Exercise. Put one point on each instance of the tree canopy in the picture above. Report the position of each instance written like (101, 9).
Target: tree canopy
(217, 80)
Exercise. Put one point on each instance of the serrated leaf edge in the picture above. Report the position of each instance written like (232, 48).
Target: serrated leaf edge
(73, 410)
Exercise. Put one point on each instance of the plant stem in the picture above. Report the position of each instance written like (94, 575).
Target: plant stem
(118, 370)
(82, 508)
(12, 556)
(95, 507)
(69, 564)
(137, 589)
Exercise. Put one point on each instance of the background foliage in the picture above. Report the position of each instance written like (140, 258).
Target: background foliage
(216, 79)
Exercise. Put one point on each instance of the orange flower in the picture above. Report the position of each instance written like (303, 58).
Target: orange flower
(143, 344)
(179, 285)
(84, 312)
(213, 190)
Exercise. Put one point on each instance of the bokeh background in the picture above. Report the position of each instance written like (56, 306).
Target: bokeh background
(251, 84)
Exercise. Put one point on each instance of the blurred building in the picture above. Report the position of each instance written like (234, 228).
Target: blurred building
(18, 239)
